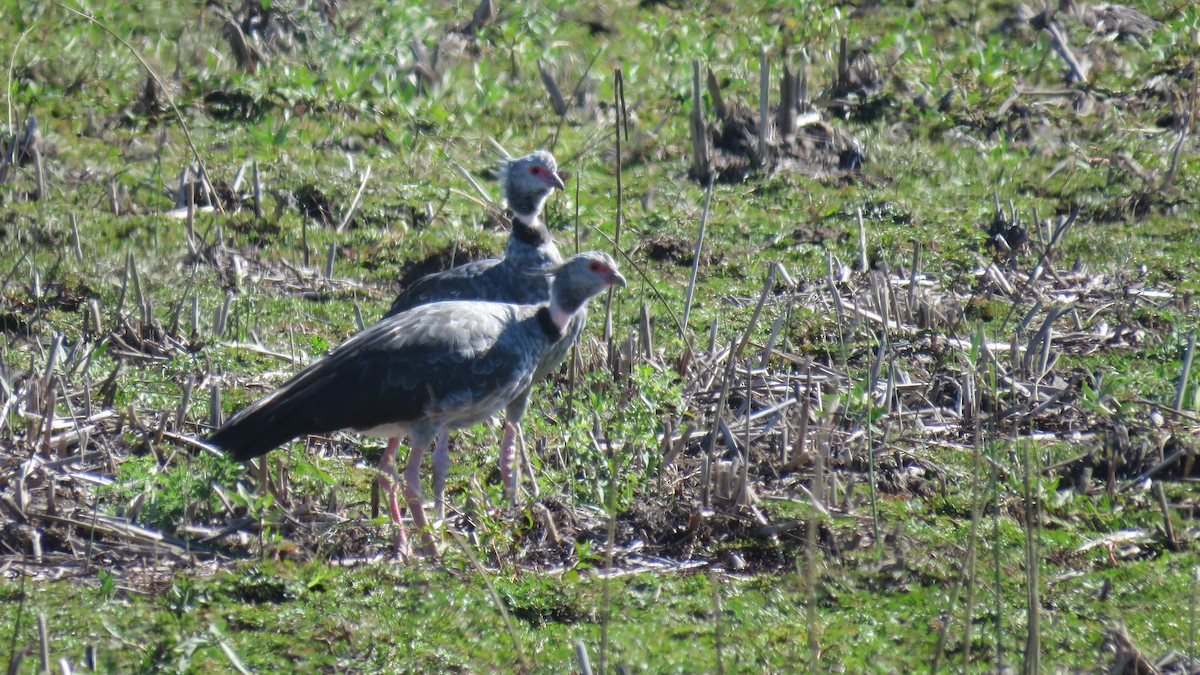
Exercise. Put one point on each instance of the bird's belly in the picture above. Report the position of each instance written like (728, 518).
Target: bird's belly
(456, 410)
(389, 430)
(480, 409)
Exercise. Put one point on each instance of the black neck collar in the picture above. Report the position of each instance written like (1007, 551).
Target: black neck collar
(551, 329)
(533, 233)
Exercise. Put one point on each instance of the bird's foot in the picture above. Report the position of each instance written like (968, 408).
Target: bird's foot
(400, 548)
(429, 550)
(421, 525)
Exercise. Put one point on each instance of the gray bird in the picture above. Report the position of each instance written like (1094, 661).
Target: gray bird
(516, 278)
(438, 366)
(527, 183)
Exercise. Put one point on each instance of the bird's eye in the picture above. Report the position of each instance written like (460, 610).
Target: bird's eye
(596, 267)
(535, 170)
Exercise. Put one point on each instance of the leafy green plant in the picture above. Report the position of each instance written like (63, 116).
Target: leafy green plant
(184, 596)
(108, 585)
(168, 491)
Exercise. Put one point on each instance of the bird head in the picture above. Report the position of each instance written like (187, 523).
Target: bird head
(529, 180)
(603, 267)
(582, 277)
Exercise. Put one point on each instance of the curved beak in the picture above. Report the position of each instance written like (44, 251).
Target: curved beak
(556, 181)
(615, 279)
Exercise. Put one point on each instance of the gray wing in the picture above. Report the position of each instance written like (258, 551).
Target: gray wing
(449, 358)
(487, 280)
(465, 282)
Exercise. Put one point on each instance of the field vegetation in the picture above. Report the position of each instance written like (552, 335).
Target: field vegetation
(903, 378)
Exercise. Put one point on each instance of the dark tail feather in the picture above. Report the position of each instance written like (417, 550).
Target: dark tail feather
(253, 435)
(290, 411)
(348, 389)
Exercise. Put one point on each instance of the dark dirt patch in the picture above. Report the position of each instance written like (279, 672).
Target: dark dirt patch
(11, 322)
(313, 203)
(222, 195)
(150, 102)
(799, 139)
(1007, 235)
(355, 142)
(886, 211)
(1131, 448)
(234, 106)
(441, 260)
(819, 234)
(855, 90)
(1135, 205)
(395, 216)
(664, 248)
(1014, 121)
(260, 232)
(257, 587)
(139, 341)
(814, 149)
(540, 605)
(55, 295)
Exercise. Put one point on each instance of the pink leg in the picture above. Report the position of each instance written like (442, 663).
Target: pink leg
(387, 485)
(508, 472)
(525, 462)
(441, 469)
(412, 493)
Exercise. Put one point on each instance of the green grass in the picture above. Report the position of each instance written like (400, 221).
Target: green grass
(342, 98)
(872, 610)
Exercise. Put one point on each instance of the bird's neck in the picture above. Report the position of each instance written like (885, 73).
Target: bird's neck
(529, 229)
(553, 323)
(564, 303)
(524, 204)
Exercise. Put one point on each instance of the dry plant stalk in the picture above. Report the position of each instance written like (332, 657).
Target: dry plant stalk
(786, 114)
(698, 249)
(486, 13)
(701, 150)
(556, 97)
(764, 102)
(714, 92)
(1079, 71)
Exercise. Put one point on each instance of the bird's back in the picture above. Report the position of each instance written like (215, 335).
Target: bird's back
(465, 282)
(516, 279)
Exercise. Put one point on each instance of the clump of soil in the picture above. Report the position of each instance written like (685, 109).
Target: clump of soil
(796, 137)
(440, 260)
